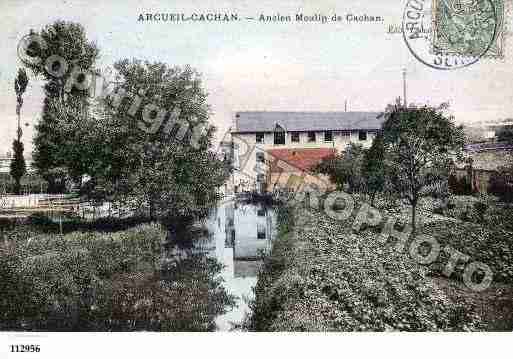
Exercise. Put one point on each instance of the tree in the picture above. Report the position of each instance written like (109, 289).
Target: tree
(53, 149)
(461, 186)
(175, 177)
(505, 133)
(47, 147)
(345, 168)
(373, 169)
(420, 145)
(501, 183)
(18, 167)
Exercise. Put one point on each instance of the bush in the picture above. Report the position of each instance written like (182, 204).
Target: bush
(461, 187)
(491, 245)
(501, 184)
(501, 217)
(39, 219)
(480, 209)
(72, 223)
(465, 208)
(345, 168)
(30, 183)
(101, 282)
(324, 277)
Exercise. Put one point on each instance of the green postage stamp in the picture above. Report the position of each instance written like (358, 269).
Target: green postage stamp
(468, 27)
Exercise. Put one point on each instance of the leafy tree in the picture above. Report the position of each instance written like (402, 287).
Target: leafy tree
(505, 134)
(53, 148)
(332, 167)
(344, 168)
(18, 167)
(420, 144)
(501, 183)
(68, 41)
(373, 169)
(175, 177)
(460, 186)
(47, 148)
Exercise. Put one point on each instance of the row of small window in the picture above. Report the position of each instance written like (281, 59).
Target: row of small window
(279, 137)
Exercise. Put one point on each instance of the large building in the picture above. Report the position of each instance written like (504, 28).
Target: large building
(279, 148)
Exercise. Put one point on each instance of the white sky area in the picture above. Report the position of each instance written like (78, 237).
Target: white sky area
(250, 65)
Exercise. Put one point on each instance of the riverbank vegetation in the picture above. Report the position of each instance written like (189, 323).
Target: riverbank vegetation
(143, 139)
(331, 274)
(324, 275)
(144, 144)
(30, 183)
(92, 281)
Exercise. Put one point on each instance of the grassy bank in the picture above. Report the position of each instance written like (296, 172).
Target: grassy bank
(322, 276)
(92, 281)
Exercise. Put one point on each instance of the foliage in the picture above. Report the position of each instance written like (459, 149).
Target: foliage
(419, 146)
(501, 184)
(263, 311)
(461, 186)
(99, 282)
(175, 178)
(18, 167)
(170, 176)
(321, 276)
(344, 168)
(20, 84)
(480, 209)
(489, 244)
(67, 40)
(501, 215)
(373, 169)
(72, 223)
(49, 156)
(30, 183)
(55, 150)
(505, 133)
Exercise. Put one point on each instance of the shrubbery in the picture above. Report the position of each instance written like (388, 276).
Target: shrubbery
(91, 281)
(501, 184)
(465, 208)
(72, 223)
(491, 245)
(461, 186)
(321, 276)
(30, 183)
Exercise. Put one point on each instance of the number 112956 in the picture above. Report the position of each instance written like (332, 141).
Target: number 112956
(25, 348)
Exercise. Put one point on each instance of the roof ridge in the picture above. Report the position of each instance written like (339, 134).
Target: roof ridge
(255, 121)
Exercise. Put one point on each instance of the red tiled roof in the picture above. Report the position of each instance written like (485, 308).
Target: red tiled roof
(303, 159)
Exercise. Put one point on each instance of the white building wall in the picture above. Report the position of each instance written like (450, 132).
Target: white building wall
(246, 149)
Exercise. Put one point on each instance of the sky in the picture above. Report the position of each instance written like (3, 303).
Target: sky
(250, 65)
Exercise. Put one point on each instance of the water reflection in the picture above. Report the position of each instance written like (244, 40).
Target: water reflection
(238, 235)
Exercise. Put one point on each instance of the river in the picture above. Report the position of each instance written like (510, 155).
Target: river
(239, 234)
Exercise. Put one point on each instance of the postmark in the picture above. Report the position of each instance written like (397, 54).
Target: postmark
(452, 34)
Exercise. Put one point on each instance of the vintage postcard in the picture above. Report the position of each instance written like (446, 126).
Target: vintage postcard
(241, 166)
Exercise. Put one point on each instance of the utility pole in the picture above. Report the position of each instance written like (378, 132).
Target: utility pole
(345, 106)
(404, 87)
